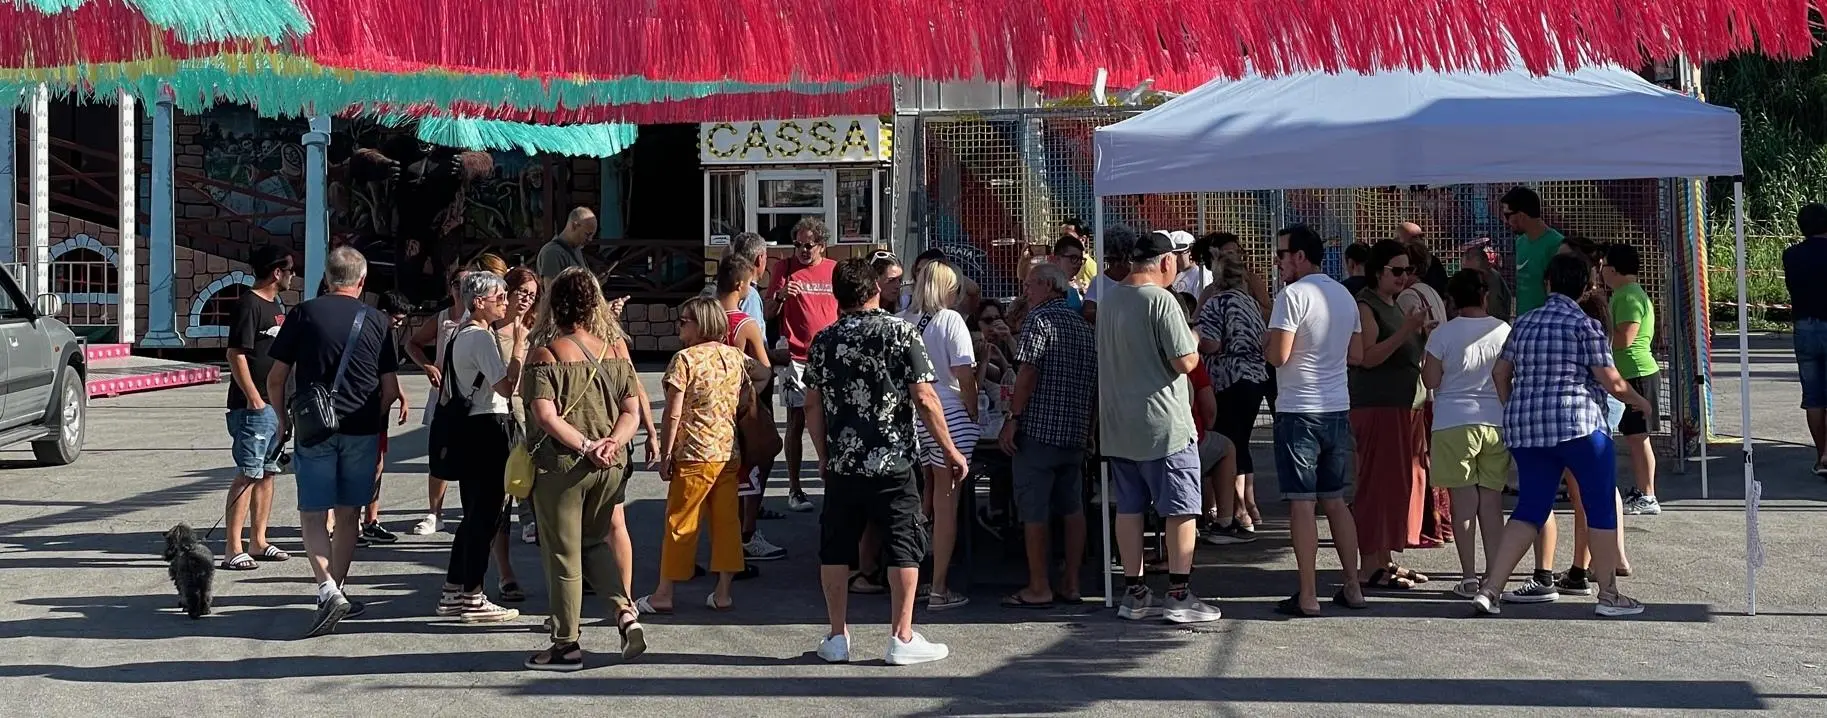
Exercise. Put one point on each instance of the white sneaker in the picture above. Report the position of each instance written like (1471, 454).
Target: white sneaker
(835, 649)
(1190, 610)
(760, 549)
(918, 650)
(1642, 505)
(427, 526)
(1483, 604)
(529, 533)
(478, 609)
(797, 501)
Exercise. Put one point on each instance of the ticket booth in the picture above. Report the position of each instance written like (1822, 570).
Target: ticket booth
(764, 176)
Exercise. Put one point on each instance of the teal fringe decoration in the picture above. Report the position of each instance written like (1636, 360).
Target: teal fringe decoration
(603, 140)
(272, 91)
(198, 21)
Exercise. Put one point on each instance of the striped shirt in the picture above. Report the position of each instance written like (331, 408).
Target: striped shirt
(1234, 319)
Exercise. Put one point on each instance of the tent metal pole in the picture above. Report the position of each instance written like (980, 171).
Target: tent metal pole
(1753, 547)
(1703, 377)
(1103, 473)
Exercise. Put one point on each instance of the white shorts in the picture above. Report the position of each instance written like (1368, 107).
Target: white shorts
(1212, 450)
(792, 382)
(958, 425)
(749, 483)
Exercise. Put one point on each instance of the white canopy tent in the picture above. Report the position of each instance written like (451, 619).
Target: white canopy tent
(1425, 128)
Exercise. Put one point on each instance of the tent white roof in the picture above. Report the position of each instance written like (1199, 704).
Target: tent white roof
(1404, 128)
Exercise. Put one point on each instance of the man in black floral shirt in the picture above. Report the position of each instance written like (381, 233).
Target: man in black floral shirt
(865, 376)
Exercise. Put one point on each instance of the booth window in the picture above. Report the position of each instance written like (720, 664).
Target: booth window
(725, 213)
(856, 205)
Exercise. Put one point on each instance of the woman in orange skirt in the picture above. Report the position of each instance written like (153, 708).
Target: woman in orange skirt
(1387, 422)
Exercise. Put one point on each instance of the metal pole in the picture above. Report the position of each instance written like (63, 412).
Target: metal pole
(1753, 547)
(40, 257)
(317, 215)
(1103, 474)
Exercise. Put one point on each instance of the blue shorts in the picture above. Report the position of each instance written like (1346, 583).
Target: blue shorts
(1313, 454)
(1592, 458)
(1811, 360)
(254, 441)
(1171, 483)
(340, 472)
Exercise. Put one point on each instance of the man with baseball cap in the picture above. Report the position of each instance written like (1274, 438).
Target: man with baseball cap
(1145, 417)
(1189, 278)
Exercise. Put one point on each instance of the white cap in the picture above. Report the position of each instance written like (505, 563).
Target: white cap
(1183, 240)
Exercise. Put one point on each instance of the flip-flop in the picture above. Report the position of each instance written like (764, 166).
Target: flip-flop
(1409, 575)
(1339, 599)
(272, 553)
(710, 602)
(1014, 600)
(869, 587)
(240, 562)
(1290, 607)
(644, 606)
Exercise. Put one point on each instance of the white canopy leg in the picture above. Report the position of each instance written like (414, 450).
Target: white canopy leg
(1754, 550)
(1103, 474)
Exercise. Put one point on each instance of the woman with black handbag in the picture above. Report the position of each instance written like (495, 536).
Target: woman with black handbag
(472, 436)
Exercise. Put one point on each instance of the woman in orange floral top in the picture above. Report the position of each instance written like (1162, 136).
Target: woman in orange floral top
(705, 384)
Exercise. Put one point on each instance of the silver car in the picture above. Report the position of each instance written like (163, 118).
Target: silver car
(43, 392)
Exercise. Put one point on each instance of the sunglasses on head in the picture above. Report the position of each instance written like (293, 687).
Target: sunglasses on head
(882, 254)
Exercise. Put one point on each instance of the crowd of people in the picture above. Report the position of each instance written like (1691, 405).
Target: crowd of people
(1433, 394)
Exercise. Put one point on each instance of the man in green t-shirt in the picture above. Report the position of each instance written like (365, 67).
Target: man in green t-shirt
(1633, 329)
(1536, 243)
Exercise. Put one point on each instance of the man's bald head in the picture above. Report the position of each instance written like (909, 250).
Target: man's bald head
(580, 226)
(1408, 232)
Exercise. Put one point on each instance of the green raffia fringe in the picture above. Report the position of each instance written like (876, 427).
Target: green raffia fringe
(470, 133)
(197, 21)
(283, 85)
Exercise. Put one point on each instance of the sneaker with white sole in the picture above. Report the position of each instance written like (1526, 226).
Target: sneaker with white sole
(427, 526)
(529, 533)
(330, 609)
(1139, 606)
(915, 651)
(1642, 505)
(797, 501)
(478, 609)
(1483, 604)
(760, 549)
(835, 649)
(1617, 604)
(1228, 534)
(1572, 583)
(1532, 592)
(1189, 609)
(376, 533)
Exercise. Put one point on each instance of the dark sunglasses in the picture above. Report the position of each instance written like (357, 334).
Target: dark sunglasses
(1399, 271)
(805, 246)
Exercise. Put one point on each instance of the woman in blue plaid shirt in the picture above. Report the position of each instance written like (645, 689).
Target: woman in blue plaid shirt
(1552, 378)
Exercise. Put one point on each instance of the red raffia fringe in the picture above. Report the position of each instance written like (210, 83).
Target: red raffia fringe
(1179, 43)
(727, 107)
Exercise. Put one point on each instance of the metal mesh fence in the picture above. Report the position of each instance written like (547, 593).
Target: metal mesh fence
(994, 181)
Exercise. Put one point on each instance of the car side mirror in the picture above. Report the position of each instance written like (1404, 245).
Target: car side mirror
(48, 305)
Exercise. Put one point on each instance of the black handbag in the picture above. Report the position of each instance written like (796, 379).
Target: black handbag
(446, 440)
(313, 410)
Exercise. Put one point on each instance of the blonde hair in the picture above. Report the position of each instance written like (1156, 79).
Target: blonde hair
(936, 288)
(580, 302)
(708, 314)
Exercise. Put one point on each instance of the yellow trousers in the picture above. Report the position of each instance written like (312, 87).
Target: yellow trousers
(701, 492)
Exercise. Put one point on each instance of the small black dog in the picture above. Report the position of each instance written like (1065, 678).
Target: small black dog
(193, 569)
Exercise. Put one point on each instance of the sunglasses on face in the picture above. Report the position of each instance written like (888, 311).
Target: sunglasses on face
(1399, 271)
(805, 246)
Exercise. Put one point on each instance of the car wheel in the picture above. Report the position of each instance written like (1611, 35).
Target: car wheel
(70, 410)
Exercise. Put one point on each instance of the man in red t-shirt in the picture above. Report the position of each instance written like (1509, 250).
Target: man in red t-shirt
(799, 297)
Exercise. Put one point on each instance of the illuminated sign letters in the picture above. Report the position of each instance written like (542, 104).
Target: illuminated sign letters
(829, 139)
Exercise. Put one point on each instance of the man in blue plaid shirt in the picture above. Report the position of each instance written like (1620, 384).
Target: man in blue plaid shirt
(1048, 427)
(1552, 378)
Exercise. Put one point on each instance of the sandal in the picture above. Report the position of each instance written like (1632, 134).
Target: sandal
(1468, 587)
(644, 606)
(510, 592)
(710, 602)
(559, 658)
(634, 637)
(1387, 580)
(272, 553)
(1340, 599)
(947, 600)
(1014, 600)
(240, 562)
(1290, 606)
(866, 585)
(1411, 576)
(1615, 604)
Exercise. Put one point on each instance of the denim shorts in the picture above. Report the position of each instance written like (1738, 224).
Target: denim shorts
(1172, 484)
(1811, 360)
(1313, 455)
(340, 472)
(253, 437)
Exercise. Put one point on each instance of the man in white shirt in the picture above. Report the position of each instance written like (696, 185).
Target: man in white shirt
(1310, 342)
(1192, 278)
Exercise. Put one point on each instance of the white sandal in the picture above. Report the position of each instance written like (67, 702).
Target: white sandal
(710, 602)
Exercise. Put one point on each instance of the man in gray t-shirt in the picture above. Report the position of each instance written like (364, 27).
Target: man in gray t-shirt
(566, 250)
(1145, 419)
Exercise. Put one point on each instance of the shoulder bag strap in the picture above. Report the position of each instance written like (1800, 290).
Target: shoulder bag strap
(596, 366)
(342, 365)
(450, 362)
(925, 319)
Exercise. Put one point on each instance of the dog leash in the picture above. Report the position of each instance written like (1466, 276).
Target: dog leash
(278, 450)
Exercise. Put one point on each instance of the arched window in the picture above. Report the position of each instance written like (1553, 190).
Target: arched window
(84, 271)
(214, 306)
(219, 309)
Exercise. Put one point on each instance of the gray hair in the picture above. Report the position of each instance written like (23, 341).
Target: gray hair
(1054, 277)
(748, 246)
(345, 268)
(477, 285)
(1228, 273)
